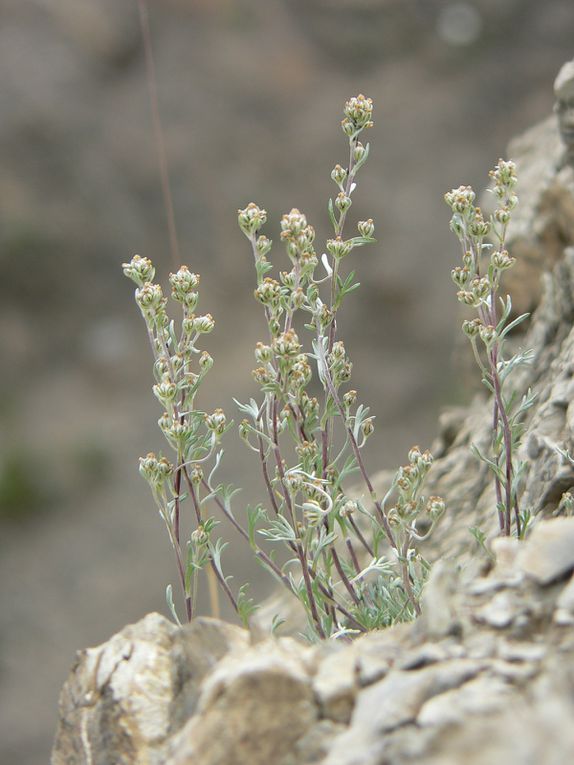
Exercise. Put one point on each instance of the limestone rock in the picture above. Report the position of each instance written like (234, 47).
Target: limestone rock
(125, 698)
(549, 552)
(253, 709)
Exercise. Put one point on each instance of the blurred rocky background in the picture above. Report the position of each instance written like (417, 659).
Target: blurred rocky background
(250, 94)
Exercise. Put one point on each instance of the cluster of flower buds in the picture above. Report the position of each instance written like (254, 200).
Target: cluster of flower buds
(309, 407)
(216, 422)
(165, 391)
(293, 482)
(505, 180)
(299, 375)
(339, 364)
(358, 115)
(182, 283)
(251, 219)
(263, 245)
(199, 537)
(349, 507)
(268, 292)
(478, 292)
(460, 200)
(409, 477)
(287, 345)
(435, 507)
(150, 298)
(139, 270)
(408, 481)
(308, 453)
(155, 471)
(350, 399)
(298, 236)
(501, 260)
(478, 228)
(339, 248)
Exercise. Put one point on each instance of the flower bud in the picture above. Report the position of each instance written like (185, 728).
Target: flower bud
(359, 151)
(148, 467)
(216, 421)
(460, 276)
(149, 297)
(343, 202)
(205, 362)
(251, 219)
(196, 474)
(366, 228)
(183, 282)
(339, 175)
(460, 200)
(287, 344)
(478, 226)
(139, 270)
(488, 334)
(165, 422)
(298, 298)
(414, 455)
(263, 353)
(337, 352)
(263, 245)
(338, 248)
(435, 507)
(165, 391)
(204, 324)
(292, 482)
(480, 288)
(293, 224)
(359, 111)
(502, 216)
(350, 398)
(471, 327)
(368, 427)
(268, 292)
(199, 536)
(502, 260)
(348, 508)
(164, 469)
(261, 376)
(467, 298)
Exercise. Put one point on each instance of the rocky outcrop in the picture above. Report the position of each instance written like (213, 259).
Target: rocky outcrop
(485, 676)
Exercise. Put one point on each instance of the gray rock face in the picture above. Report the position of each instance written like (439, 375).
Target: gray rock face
(499, 689)
(485, 676)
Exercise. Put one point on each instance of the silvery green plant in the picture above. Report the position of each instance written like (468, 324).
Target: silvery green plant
(478, 281)
(194, 436)
(353, 562)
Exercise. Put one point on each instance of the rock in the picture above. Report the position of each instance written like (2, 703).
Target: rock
(397, 699)
(438, 601)
(335, 684)
(128, 696)
(253, 709)
(499, 612)
(482, 695)
(549, 552)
